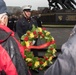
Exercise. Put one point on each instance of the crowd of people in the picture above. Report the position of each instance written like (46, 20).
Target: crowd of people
(12, 52)
(12, 20)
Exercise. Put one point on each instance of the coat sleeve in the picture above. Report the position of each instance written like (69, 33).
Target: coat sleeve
(66, 61)
(6, 63)
(19, 30)
(61, 66)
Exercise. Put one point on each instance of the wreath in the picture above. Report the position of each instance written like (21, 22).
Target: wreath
(28, 40)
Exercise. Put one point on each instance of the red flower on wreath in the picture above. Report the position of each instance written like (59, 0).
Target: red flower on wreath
(46, 58)
(36, 36)
(44, 28)
(41, 62)
(24, 56)
(30, 64)
(51, 48)
(40, 33)
(28, 33)
(34, 33)
(26, 38)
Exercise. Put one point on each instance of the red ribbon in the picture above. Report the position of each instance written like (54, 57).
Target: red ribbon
(40, 46)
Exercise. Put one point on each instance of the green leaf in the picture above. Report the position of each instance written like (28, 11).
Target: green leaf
(22, 38)
(33, 27)
(23, 43)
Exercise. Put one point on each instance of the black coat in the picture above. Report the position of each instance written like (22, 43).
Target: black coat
(11, 60)
(23, 25)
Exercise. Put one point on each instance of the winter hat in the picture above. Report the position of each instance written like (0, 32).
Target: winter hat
(3, 8)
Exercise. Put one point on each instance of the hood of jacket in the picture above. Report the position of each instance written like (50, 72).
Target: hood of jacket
(5, 32)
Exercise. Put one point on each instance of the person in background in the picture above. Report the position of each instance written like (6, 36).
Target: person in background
(65, 64)
(25, 23)
(37, 18)
(12, 22)
(11, 51)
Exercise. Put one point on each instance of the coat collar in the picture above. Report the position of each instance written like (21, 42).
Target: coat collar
(5, 33)
(5, 28)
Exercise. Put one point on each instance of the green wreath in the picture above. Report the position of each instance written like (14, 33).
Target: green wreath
(28, 40)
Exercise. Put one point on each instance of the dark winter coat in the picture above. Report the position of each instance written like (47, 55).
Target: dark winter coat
(23, 25)
(11, 54)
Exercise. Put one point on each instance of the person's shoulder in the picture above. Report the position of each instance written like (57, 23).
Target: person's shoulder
(33, 19)
(20, 19)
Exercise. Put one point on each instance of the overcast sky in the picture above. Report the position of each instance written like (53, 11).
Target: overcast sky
(34, 3)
